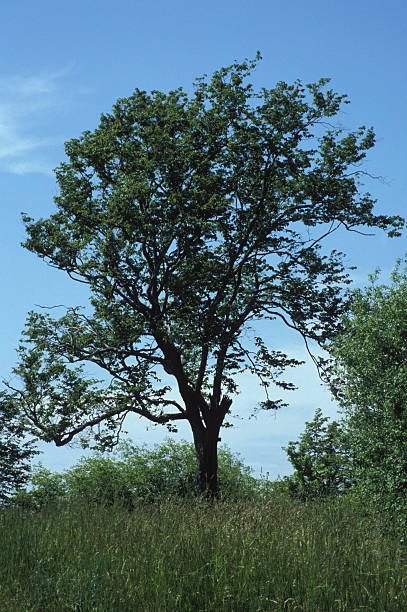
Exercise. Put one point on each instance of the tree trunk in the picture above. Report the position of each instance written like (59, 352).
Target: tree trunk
(206, 447)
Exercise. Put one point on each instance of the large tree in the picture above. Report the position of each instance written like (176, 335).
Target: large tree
(189, 217)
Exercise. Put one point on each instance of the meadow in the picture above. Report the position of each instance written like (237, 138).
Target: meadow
(191, 555)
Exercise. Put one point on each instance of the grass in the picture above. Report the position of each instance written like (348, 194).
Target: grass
(177, 556)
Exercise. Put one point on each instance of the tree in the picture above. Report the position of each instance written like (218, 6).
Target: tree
(369, 380)
(321, 459)
(15, 451)
(189, 218)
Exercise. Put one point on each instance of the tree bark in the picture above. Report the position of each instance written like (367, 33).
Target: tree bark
(206, 448)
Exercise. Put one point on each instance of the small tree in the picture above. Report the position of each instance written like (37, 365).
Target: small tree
(15, 451)
(188, 219)
(369, 380)
(321, 460)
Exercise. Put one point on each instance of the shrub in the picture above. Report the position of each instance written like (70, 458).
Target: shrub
(321, 460)
(44, 488)
(369, 381)
(131, 472)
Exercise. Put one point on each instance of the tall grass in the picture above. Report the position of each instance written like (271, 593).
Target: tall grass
(195, 556)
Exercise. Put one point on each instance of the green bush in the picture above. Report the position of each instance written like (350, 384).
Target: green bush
(369, 381)
(137, 472)
(44, 488)
(321, 461)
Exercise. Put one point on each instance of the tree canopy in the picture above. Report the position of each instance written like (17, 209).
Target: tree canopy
(189, 218)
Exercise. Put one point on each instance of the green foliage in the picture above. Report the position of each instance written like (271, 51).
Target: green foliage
(369, 379)
(15, 451)
(45, 488)
(138, 472)
(321, 460)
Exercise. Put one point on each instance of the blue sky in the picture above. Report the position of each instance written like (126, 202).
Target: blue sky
(61, 66)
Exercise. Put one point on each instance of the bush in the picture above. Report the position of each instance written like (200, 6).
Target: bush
(132, 472)
(321, 460)
(44, 488)
(368, 378)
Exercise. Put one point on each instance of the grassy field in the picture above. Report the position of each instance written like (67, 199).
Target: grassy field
(178, 556)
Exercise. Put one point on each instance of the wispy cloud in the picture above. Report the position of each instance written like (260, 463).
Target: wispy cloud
(25, 104)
